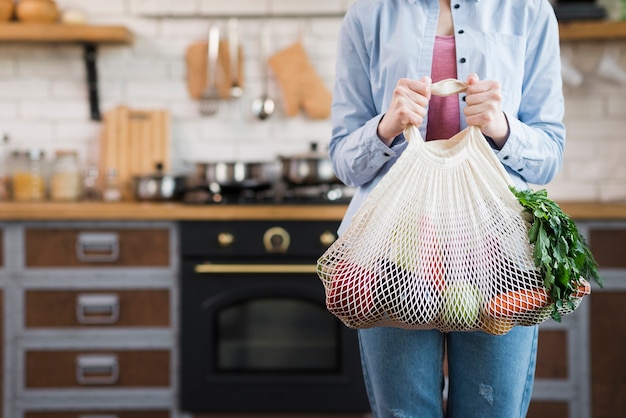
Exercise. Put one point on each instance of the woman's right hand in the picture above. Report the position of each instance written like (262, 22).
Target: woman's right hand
(408, 107)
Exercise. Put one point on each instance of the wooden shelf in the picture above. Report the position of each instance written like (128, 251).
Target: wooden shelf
(592, 30)
(56, 32)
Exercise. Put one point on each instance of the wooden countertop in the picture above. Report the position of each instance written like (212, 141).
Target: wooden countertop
(140, 211)
(96, 211)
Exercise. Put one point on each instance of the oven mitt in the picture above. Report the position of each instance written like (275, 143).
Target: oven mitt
(301, 86)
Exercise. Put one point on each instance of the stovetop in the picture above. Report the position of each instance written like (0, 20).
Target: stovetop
(277, 194)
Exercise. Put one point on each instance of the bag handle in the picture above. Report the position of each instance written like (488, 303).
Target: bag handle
(443, 88)
(448, 87)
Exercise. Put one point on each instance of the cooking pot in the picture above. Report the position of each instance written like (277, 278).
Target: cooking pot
(235, 176)
(311, 168)
(159, 186)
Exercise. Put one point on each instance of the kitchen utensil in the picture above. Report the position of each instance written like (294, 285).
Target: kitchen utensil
(158, 186)
(235, 176)
(301, 86)
(210, 98)
(264, 106)
(236, 90)
(133, 141)
(311, 168)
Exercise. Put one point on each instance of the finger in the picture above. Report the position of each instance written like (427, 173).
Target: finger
(472, 79)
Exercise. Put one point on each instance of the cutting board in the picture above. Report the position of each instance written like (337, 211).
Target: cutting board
(133, 142)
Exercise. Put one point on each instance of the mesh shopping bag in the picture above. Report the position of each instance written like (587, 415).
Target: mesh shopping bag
(441, 242)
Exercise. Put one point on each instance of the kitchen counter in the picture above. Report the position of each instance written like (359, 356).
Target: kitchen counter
(52, 211)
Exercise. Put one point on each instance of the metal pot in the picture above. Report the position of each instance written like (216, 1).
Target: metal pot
(159, 186)
(238, 175)
(312, 168)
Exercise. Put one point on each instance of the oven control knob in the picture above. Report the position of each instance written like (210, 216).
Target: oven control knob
(327, 238)
(276, 240)
(225, 239)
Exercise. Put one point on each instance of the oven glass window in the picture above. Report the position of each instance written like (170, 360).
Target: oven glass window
(276, 334)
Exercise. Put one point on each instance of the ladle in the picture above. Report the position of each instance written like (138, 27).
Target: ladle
(264, 106)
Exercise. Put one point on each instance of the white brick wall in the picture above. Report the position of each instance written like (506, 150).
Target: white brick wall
(43, 100)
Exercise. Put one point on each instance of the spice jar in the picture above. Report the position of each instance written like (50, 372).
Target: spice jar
(65, 181)
(28, 177)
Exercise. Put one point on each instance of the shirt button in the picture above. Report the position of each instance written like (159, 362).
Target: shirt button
(461, 31)
(463, 98)
(506, 157)
(456, 6)
(386, 154)
(520, 170)
(462, 60)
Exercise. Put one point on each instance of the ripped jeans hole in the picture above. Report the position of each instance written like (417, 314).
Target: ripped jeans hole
(486, 392)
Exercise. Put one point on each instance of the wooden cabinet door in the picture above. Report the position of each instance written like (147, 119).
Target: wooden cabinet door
(96, 248)
(89, 308)
(83, 369)
(608, 345)
(552, 358)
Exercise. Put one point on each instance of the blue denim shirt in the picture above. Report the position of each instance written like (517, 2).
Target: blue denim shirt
(511, 41)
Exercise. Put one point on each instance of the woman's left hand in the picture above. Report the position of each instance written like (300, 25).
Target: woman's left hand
(483, 109)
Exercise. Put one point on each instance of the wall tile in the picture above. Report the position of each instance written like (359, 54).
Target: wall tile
(43, 96)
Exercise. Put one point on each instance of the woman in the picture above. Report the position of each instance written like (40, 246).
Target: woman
(389, 53)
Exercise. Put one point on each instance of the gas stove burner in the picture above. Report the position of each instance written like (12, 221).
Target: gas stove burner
(324, 193)
(279, 193)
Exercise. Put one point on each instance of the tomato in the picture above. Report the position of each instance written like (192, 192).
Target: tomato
(349, 296)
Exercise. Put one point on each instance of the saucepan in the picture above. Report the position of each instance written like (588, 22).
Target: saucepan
(234, 176)
(311, 168)
(159, 186)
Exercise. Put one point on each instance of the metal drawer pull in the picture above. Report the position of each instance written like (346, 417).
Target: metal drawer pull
(98, 416)
(97, 247)
(255, 268)
(97, 369)
(97, 309)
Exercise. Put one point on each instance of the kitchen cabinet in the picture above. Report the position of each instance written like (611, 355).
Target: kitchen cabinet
(607, 330)
(66, 301)
(96, 325)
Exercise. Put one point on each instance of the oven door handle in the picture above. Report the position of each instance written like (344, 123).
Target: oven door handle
(255, 268)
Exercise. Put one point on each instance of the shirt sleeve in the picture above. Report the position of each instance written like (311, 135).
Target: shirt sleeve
(356, 151)
(534, 149)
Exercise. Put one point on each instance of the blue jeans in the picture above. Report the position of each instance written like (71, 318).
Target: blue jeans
(489, 376)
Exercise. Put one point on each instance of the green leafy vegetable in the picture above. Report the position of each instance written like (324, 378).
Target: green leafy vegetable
(560, 252)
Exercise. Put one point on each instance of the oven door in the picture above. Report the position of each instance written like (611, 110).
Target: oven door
(258, 338)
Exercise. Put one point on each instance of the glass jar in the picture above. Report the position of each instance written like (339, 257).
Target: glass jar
(28, 176)
(65, 180)
(111, 191)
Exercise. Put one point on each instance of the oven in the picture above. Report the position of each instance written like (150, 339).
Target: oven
(255, 333)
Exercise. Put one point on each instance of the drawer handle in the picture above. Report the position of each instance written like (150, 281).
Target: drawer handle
(208, 268)
(98, 416)
(97, 247)
(97, 369)
(97, 309)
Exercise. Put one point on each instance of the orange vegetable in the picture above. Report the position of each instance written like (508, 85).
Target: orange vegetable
(514, 302)
(584, 288)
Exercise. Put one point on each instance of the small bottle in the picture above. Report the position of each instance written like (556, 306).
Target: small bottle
(65, 183)
(90, 184)
(111, 191)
